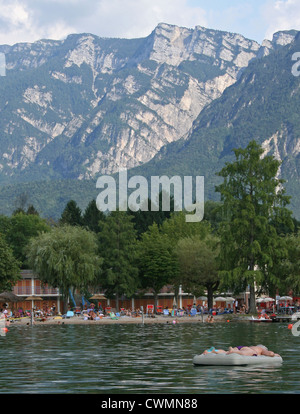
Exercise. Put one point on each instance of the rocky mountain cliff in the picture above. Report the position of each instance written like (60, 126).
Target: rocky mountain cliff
(72, 110)
(86, 105)
(263, 105)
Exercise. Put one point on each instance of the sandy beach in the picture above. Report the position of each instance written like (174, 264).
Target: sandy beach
(79, 320)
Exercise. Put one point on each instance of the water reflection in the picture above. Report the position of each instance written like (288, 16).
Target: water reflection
(240, 379)
(142, 359)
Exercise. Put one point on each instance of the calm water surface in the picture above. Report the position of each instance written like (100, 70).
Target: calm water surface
(139, 359)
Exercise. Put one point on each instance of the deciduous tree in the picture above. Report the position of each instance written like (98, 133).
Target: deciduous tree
(23, 227)
(198, 265)
(157, 262)
(9, 267)
(65, 258)
(117, 241)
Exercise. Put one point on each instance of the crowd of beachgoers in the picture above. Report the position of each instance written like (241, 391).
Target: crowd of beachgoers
(92, 315)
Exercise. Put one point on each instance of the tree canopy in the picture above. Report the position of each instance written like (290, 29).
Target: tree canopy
(71, 214)
(20, 229)
(245, 240)
(65, 258)
(290, 268)
(92, 217)
(254, 203)
(9, 266)
(198, 265)
(157, 261)
(117, 246)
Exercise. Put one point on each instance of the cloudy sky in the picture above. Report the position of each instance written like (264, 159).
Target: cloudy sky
(31, 20)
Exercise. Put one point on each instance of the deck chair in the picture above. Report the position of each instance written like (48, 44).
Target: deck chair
(113, 315)
(69, 314)
(166, 312)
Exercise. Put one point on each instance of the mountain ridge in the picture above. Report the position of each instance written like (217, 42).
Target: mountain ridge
(261, 105)
(112, 102)
(87, 105)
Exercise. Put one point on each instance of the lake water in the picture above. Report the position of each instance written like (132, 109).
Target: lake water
(139, 359)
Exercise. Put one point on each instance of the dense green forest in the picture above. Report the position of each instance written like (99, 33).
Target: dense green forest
(124, 252)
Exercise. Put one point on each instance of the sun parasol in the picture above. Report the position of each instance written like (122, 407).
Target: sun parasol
(9, 297)
(285, 298)
(219, 299)
(261, 300)
(98, 296)
(33, 298)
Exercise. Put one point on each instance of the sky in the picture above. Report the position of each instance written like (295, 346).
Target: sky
(32, 20)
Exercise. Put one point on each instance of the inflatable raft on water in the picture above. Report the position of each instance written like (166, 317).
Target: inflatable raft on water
(236, 359)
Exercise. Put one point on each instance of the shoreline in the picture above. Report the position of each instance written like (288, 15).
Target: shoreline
(78, 320)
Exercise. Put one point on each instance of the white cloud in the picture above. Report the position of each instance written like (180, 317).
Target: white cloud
(138, 18)
(18, 23)
(281, 15)
(31, 20)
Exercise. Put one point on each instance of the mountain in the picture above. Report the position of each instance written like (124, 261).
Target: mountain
(74, 109)
(85, 106)
(262, 105)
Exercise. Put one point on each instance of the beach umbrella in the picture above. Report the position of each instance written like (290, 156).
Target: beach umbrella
(264, 300)
(98, 296)
(259, 300)
(9, 297)
(202, 298)
(285, 298)
(229, 299)
(219, 299)
(34, 298)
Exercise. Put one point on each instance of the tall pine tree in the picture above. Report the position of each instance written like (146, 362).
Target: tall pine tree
(71, 214)
(254, 200)
(92, 217)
